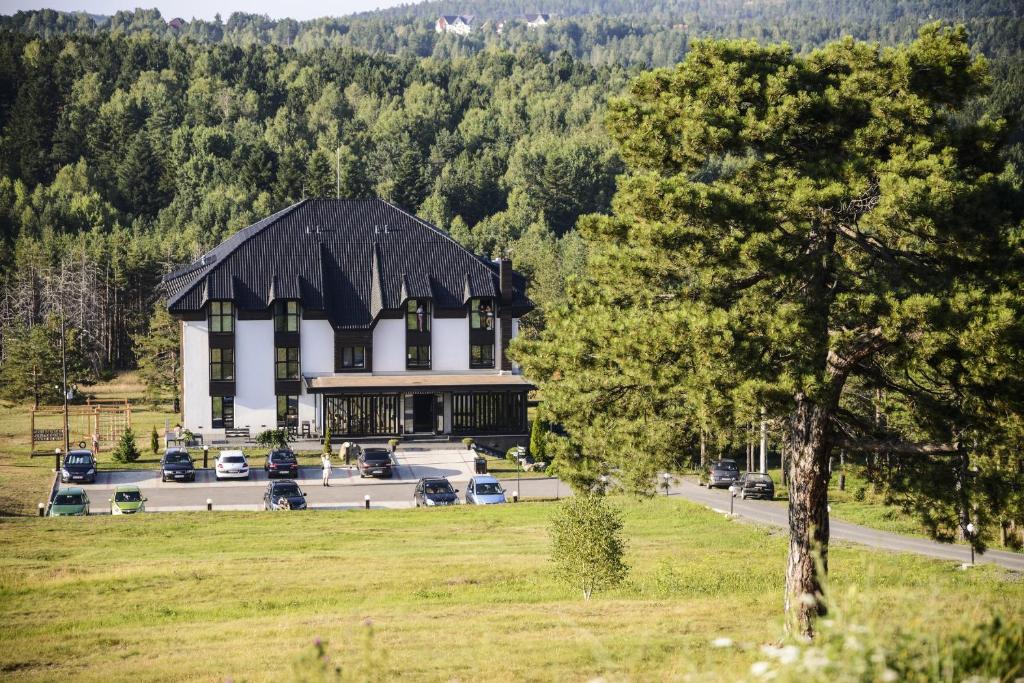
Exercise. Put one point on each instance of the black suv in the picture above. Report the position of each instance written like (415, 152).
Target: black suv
(432, 491)
(374, 462)
(281, 463)
(284, 495)
(79, 465)
(722, 474)
(177, 465)
(756, 485)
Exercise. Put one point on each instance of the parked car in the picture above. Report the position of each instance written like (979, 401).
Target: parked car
(177, 465)
(722, 473)
(431, 491)
(127, 500)
(70, 502)
(79, 465)
(284, 494)
(281, 463)
(756, 485)
(484, 490)
(232, 465)
(375, 462)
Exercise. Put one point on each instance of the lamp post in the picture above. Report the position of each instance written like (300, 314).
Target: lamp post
(206, 456)
(970, 538)
(56, 460)
(732, 500)
(666, 478)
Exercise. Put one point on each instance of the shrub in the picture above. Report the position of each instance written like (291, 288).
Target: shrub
(860, 494)
(273, 438)
(327, 438)
(154, 441)
(394, 444)
(126, 450)
(537, 433)
(512, 454)
(586, 544)
(468, 441)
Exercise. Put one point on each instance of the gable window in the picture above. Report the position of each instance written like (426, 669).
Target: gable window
(286, 316)
(223, 412)
(481, 356)
(222, 316)
(222, 364)
(417, 315)
(481, 314)
(353, 357)
(417, 356)
(288, 412)
(286, 365)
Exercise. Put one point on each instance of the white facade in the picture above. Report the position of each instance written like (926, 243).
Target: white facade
(458, 25)
(255, 402)
(195, 362)
(449, 341)
(316, 357)
(389, 345)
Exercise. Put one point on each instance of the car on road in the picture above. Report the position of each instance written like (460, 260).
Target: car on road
(756, 485)
(435, 491)
(232, 465)
(177, 465)
(375, 462)
(79, 465)
(281, 463)
(484, 490)
(284, 494)
(722, 474)
(127, 500)
(72, 501)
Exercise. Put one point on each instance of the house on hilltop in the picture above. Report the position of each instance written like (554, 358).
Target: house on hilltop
(177, 23)
(353, 315)
(536, 20)
(459, 24)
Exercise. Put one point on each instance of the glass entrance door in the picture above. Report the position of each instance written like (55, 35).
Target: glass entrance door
(423, 413)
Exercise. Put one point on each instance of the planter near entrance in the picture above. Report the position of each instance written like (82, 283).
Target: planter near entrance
(469, 443)
(393, 444)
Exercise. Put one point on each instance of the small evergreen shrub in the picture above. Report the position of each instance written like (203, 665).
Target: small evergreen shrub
(126, 450)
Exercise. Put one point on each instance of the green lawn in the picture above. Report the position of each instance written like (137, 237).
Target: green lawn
(172, 597)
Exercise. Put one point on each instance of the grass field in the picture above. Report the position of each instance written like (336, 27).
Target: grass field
(461, 593)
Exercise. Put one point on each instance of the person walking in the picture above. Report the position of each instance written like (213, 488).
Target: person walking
(325, 459)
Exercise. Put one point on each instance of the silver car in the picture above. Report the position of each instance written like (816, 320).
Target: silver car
(484, 490)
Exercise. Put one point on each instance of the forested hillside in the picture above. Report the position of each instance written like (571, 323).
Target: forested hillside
(129, 146)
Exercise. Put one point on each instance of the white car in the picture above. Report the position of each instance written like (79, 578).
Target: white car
(232, 465)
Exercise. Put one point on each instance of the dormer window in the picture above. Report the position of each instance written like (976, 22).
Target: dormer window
(222, 316)
(481, 314)
(417, 315)
(286, 316)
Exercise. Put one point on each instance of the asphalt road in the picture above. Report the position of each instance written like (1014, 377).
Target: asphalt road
(776, 513)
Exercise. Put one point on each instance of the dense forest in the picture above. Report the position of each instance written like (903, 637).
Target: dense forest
(129, 146)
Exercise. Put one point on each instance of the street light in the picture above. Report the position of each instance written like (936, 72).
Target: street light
(665, 484)
(970, 539)
(56, 459)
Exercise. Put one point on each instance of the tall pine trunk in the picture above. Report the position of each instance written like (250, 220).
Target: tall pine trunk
(807, 443)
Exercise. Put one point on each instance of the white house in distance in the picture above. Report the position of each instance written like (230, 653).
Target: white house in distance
(459, 24)
(536, 20)
(352, 314)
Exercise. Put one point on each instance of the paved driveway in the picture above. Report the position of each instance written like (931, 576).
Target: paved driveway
(347, 490)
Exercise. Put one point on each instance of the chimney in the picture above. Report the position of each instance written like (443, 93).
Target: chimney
(505, 280)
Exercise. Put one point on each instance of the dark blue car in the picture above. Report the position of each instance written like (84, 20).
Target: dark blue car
(79, 466)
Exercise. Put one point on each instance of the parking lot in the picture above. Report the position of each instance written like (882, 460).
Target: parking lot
(347, 489)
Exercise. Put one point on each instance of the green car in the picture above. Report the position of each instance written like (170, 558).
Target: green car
(72, 501)
(127, 500)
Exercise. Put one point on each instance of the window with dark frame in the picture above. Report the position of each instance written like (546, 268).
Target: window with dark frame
(481, 356)
(417, 356)
(223, 416)
(287, 412)
(222, 316)
(222, 364)
(482, 413)
(417, 315)
(286, 316)
(481, 314)
(286, 365)
(353, 357)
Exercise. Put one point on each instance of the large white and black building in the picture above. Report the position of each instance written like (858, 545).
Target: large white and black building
(352, 314)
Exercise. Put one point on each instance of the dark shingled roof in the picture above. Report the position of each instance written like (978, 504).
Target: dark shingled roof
(351, 258)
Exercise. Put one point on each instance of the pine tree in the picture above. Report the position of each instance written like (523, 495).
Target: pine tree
(126, 450)
(158, 351)
(792, 230)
